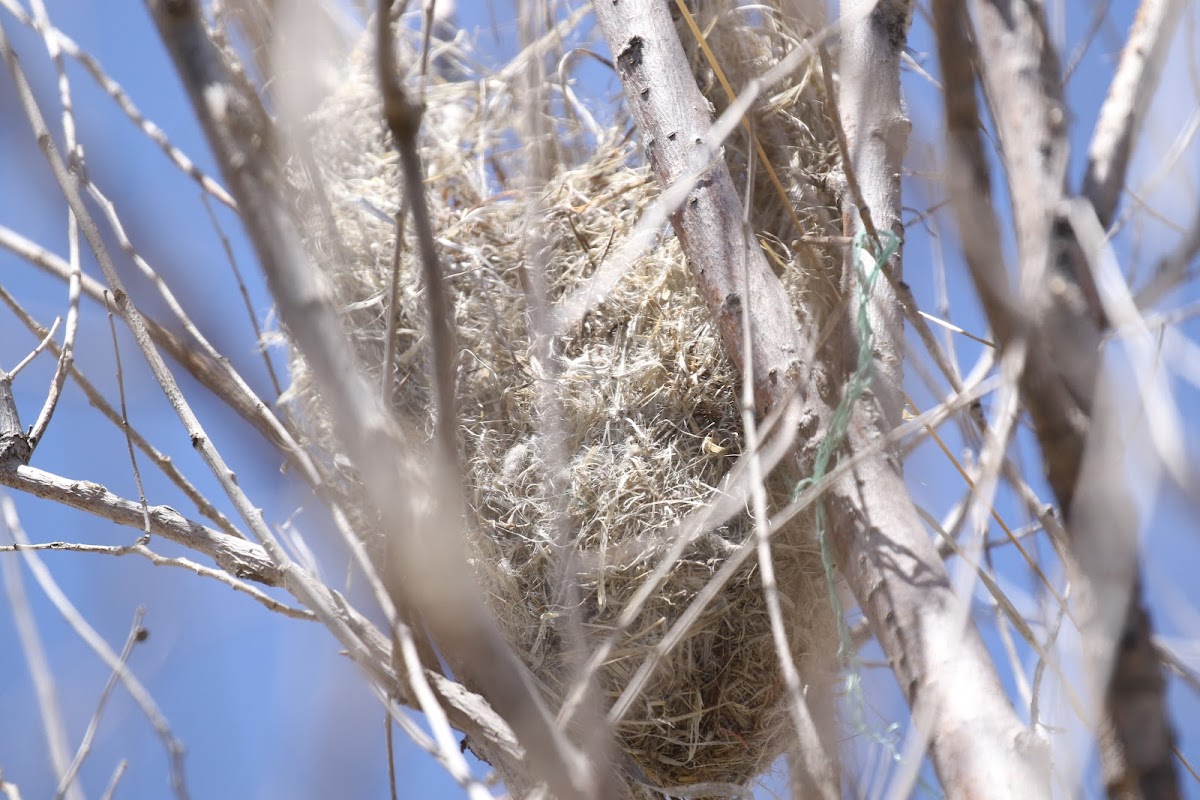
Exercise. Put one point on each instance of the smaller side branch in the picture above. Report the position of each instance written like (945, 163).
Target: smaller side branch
(141, 696)
(238, 557)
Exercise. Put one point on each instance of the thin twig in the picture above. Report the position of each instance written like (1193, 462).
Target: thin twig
(111, 790)
(137, 476)
(70, 613)
(40, 670)
(270, 603)
(125, 103)
(28, 359)
(237, 274)
(76, 155)
(136, 634)
(159, 459)
(391, 755)
(404, 121)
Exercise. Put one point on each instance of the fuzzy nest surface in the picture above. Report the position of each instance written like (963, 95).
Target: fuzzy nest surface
(639, 403)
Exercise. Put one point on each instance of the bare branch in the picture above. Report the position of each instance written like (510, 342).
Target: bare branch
(236, 556)
(40, 671)
(871, 512)
(137, 691)
(157, 457)
(1124, 110)
(210, 373)
(114, 90)
(433, 575)
(136, 634)
(158, 560)
(1055, 316)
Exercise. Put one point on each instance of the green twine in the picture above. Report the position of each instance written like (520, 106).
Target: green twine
(867, 265)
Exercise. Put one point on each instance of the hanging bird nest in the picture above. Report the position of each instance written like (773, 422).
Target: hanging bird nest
(580, 462)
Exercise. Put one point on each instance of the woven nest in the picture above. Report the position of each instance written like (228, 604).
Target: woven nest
(640, 402)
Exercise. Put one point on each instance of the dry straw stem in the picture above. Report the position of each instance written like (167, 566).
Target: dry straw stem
(1050, 315)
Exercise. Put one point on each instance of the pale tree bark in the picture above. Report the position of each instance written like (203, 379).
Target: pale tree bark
(1056, 319)
(978, 745)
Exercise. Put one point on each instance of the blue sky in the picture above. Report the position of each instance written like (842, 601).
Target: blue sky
(266, 706)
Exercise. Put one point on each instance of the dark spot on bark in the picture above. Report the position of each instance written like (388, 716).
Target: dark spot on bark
(672, 136)
(699, 140)
(630, 57)
(645, 93)
(141, 635)
(733, 302)
(197, 441)
(693, 201)
(891, 16)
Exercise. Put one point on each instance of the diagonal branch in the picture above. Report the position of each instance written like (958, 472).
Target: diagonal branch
(1129, 96)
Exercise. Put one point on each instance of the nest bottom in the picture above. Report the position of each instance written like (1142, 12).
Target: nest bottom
(714, 711)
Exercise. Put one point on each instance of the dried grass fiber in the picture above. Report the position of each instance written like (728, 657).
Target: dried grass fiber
(639, 404)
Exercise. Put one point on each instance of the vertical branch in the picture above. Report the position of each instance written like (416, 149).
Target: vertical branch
(877, 129)
(979, 746)
(1054, 316)
(403, 117)
(431, 571)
